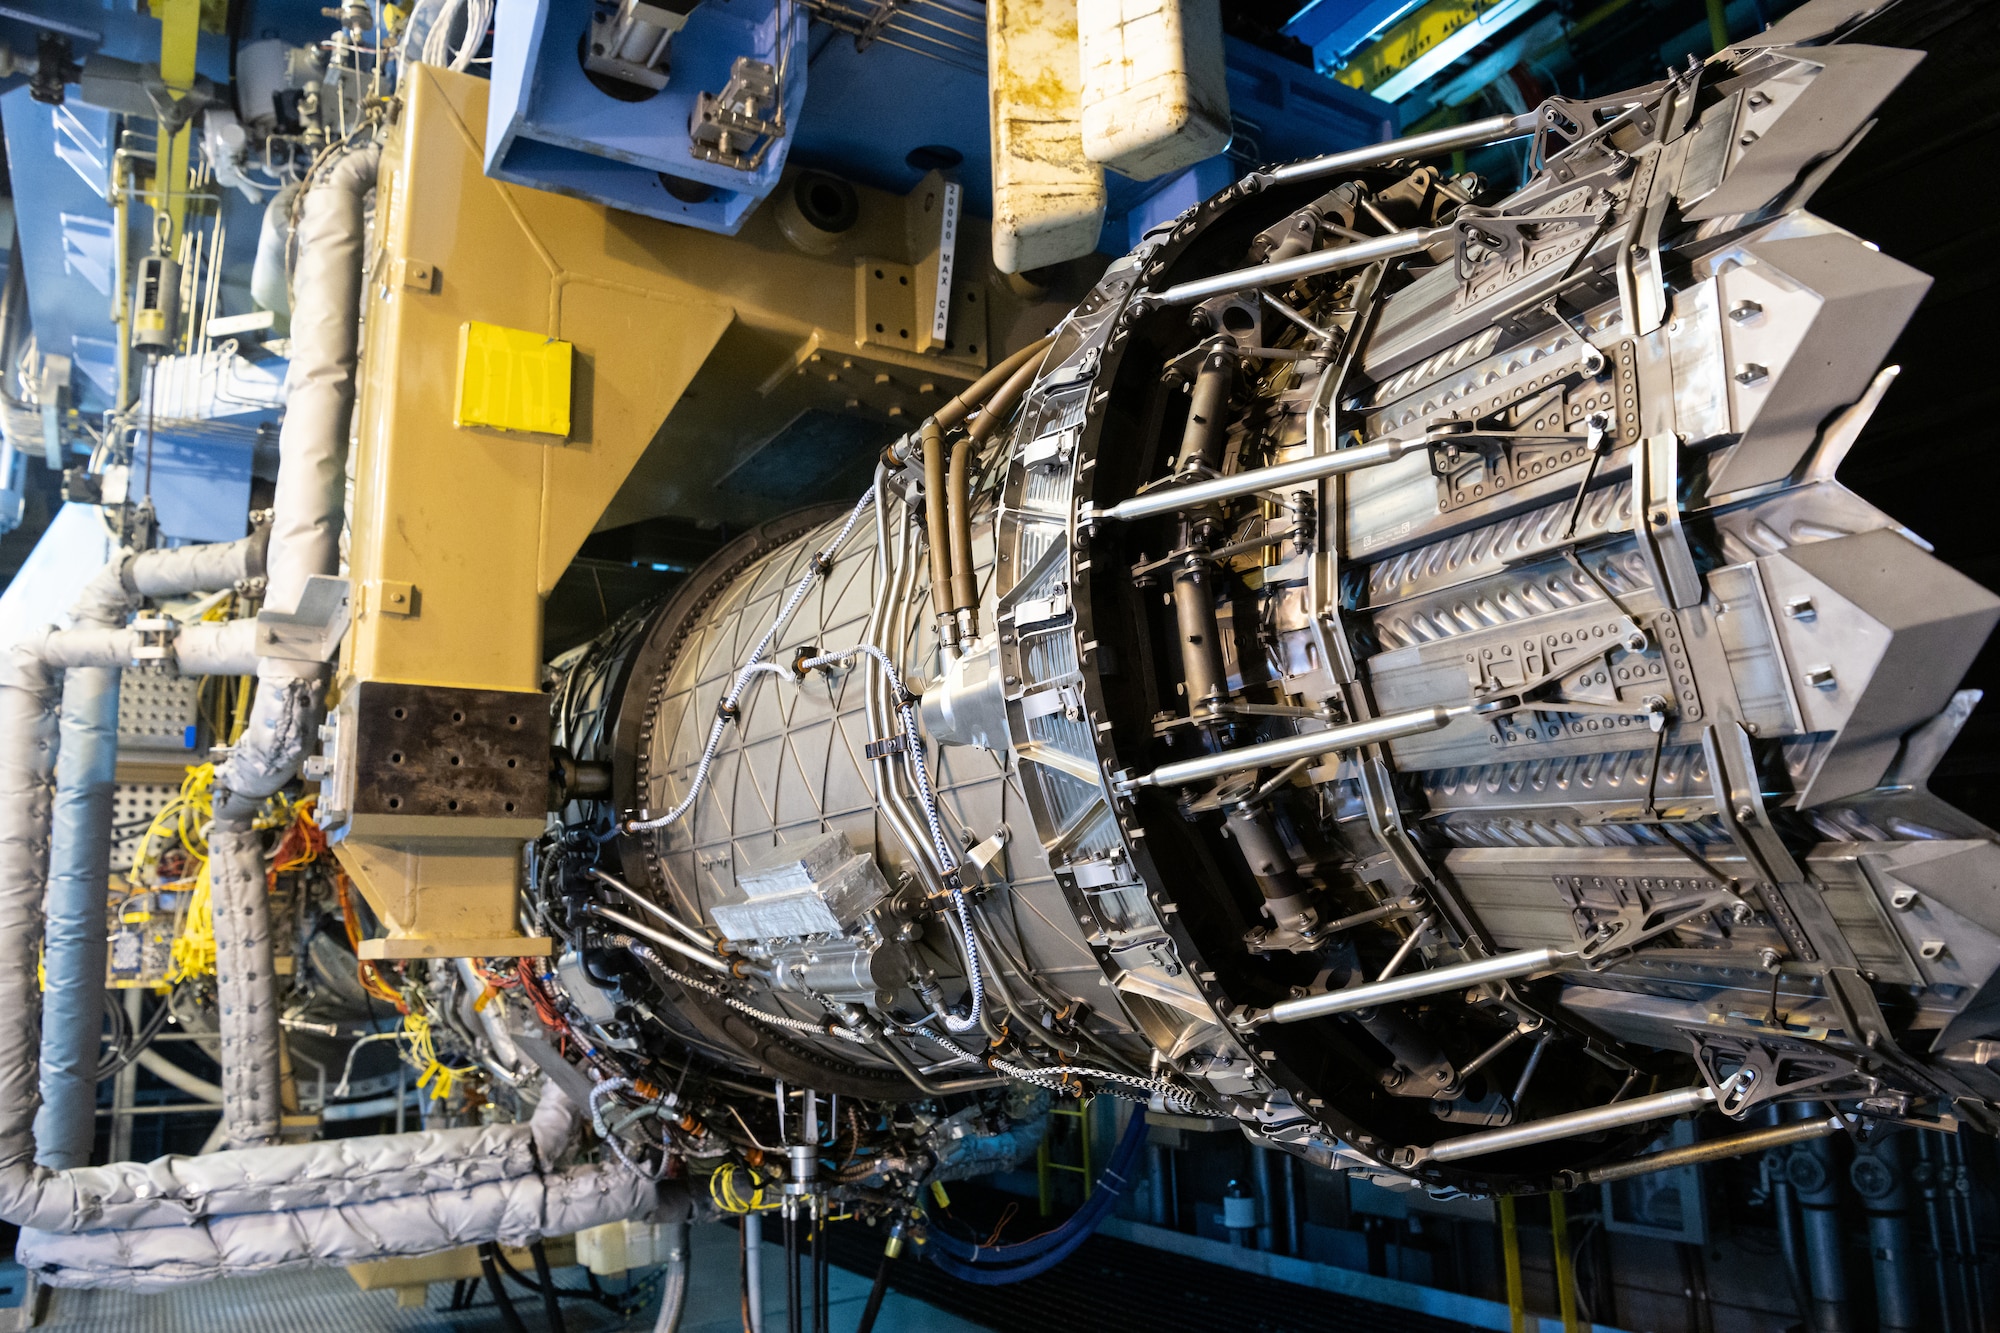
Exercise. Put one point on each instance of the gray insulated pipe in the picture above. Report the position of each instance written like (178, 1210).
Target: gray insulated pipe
(86, 783)
(79, 869)
(146, 1226)
(305, 541)
(343, 1201)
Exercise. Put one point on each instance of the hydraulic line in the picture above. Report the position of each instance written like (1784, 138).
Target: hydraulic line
(1179, 1100)
(879, 1288)
(937, 520)
(509, 1316)
(959, 407)
(1014, 1263)
(551, 1304)
(927, 797)
(964, 582)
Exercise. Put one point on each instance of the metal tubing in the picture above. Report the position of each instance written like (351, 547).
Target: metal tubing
(1528, 1072)
(1880, 1177)
(1416, 985)
(1393, 246)
(1472, 134)
(1491, 1053)
(1715, 1150)
(1404, 950)
(958, 487)
(687, 951)
(652, 908)
(1173, 499)
(753, 1268)
(936, 522)
(1657, 1107)
(960, 406)
(1352, 736)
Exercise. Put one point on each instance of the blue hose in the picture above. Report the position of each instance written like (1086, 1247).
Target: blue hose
(1002, 1264)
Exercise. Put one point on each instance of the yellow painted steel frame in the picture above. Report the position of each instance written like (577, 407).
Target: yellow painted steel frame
(180, 29)
(458, 533)
(1407, 39)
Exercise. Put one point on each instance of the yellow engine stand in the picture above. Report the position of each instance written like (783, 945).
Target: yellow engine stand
(490, 306)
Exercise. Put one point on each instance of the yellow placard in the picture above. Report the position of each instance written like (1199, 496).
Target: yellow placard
(510, 379)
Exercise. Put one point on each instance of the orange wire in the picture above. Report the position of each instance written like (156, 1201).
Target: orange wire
(368, 971)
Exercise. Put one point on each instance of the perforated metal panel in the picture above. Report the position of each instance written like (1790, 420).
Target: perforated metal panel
(132, 809)
(157, 712)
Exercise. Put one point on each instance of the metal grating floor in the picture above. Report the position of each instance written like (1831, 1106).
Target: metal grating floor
(325, 1300)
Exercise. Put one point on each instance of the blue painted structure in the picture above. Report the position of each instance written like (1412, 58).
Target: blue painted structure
(867, 111)
(883, 116)
(548, 126)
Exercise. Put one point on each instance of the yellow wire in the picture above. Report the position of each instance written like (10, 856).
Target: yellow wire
(722, 1189)
(194, 946)
(437, 1076)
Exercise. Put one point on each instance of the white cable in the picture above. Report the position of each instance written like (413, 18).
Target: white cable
(478, 17)
(347, 1070)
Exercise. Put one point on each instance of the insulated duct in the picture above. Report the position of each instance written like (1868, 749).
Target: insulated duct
(305, 541)
(95, 653)
(79, 868)
(246, 990)
(310, 498)
(234, 1214)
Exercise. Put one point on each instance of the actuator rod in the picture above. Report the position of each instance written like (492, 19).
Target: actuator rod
(1472, 134)
(1392, 246)
(1172, 499)
(1638, 1111)
(1416, 985)
(1305, 745)
(1715, 1150)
